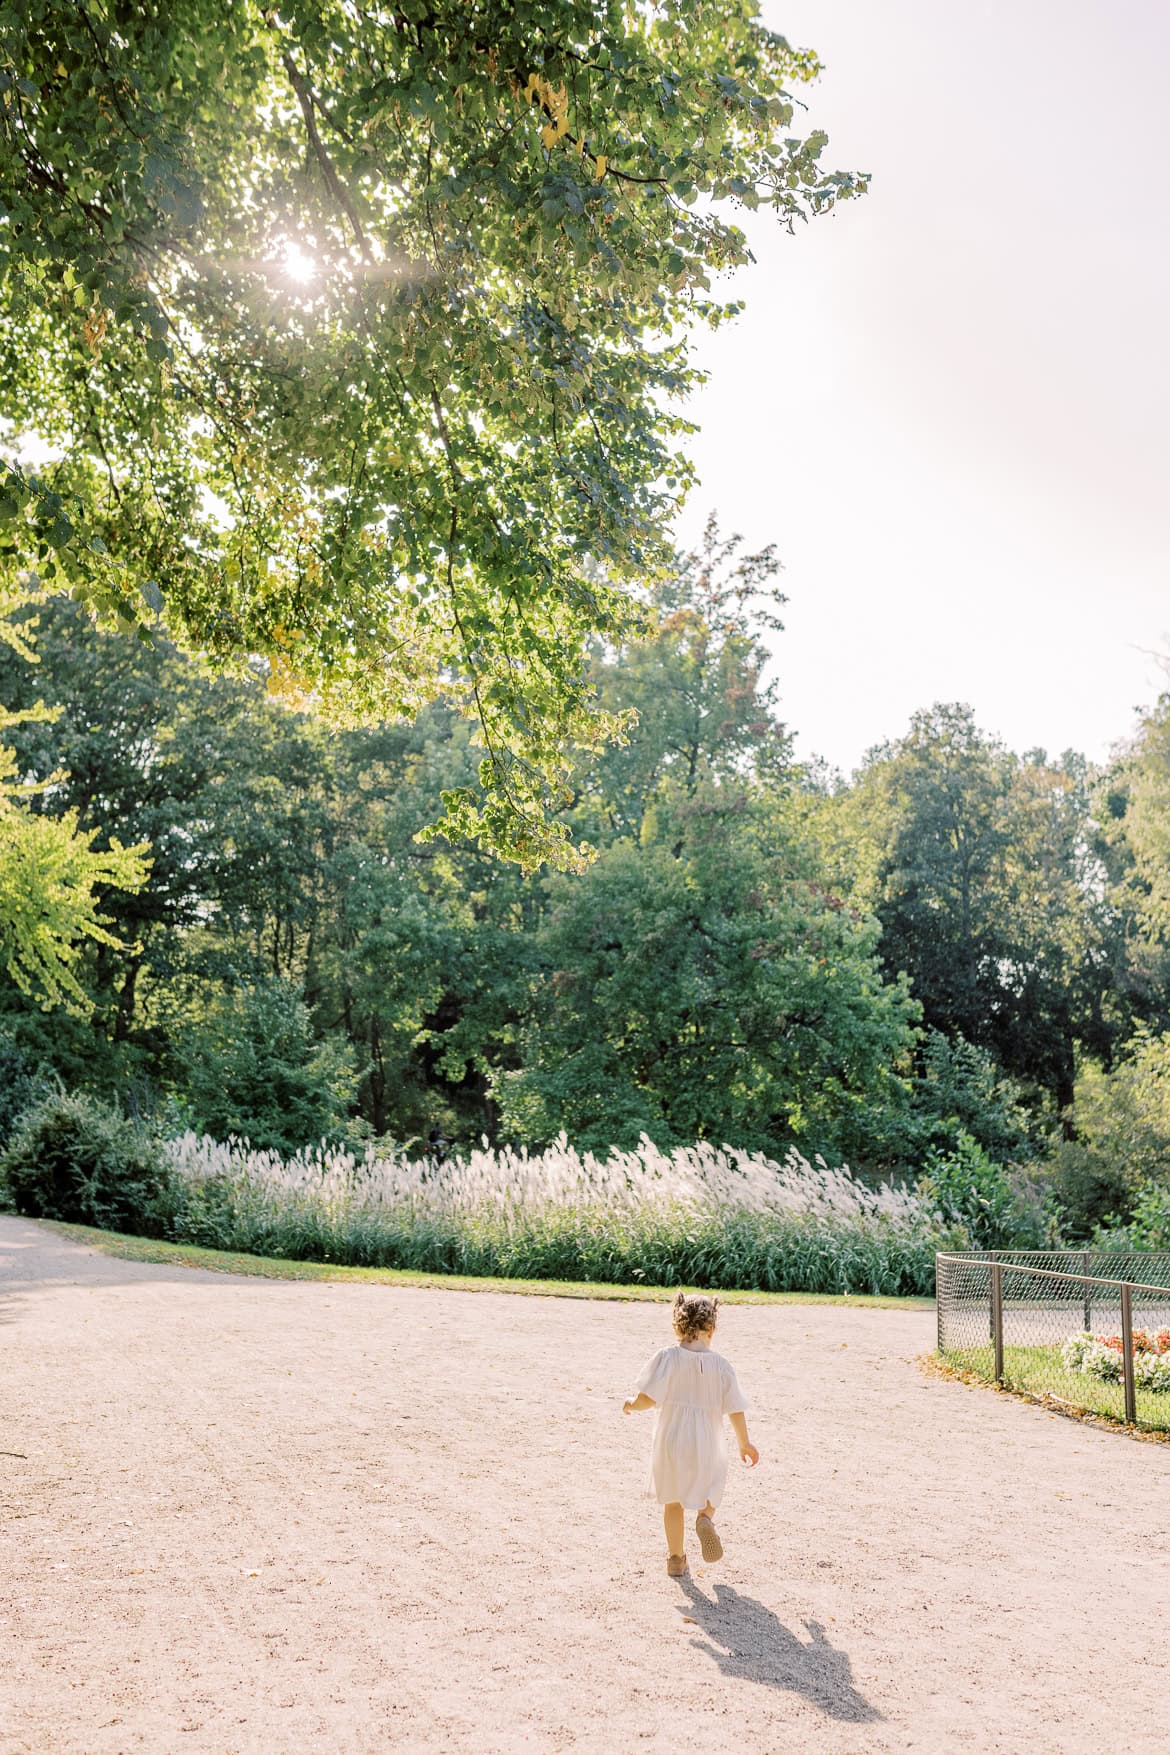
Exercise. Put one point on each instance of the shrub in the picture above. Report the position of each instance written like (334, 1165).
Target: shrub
(700, 1216)
(1148, 1226)
(23, 1082)
(1093, 1189)
(74, 1158)
(1123, 1137)
(969, 1189)
(254, 1071)
(960, 1088)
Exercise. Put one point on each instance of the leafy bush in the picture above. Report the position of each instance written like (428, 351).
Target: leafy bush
(1148, 1226)
(1122, 1147)
(254, 1071)
(1093, 1191)
(699, 1216)
(74, 1158)
(955, 1088)
(23, 1082)
(961, 1088)
(971, 1190)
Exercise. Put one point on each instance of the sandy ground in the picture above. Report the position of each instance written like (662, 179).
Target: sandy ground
(264, 1516)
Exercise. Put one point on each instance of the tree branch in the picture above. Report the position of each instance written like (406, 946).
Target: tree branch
(307, 101)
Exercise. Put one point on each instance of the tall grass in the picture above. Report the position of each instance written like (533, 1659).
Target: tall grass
(701, 1216)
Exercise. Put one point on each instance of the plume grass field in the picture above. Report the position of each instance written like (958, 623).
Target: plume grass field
(698, 1216)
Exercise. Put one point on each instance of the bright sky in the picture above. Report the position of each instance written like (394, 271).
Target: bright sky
(948, 404)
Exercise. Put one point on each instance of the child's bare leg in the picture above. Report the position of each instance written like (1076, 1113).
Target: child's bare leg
(674, 1522)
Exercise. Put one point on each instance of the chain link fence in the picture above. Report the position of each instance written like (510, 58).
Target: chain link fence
(1088, 1329)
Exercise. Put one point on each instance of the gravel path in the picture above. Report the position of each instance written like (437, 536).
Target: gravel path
(267, 1516)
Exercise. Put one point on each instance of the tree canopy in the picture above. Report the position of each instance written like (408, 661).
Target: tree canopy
(983, 869)
(905, 971)
(360, 334)
(701, 979)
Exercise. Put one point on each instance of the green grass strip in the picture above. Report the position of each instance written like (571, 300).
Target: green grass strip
(225, 1261)
(1039, 1372)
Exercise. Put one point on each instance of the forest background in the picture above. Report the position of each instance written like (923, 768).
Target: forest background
(951, 966)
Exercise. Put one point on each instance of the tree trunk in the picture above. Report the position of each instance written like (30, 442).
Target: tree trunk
(377, 1079)
(1065, 1095)
(124, 1015)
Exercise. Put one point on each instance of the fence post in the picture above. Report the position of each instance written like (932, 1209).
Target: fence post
(1088, 1291)
(1127, 1354)
(997, 1318)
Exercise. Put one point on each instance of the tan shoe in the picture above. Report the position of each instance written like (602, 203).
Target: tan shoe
(676, 1565)
(708, 1538)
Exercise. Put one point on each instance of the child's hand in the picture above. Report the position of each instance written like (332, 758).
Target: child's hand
(749, 1455)
(627, 1407)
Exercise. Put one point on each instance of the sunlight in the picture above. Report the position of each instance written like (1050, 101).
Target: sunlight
(298, 265)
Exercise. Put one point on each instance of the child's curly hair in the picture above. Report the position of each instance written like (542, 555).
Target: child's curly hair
(693, 1315)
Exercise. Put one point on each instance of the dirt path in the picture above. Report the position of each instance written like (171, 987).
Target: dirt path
(266, 1516)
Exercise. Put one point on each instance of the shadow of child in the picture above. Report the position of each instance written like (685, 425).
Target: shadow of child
(751, 1643)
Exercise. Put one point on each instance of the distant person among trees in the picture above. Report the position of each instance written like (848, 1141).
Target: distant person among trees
(437, 1146)
(692, 1388)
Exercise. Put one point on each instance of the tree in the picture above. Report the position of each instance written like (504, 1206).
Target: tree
(255, 1071)
(279, 853)
(1132, 807)
(933, 804)
(708, 993)
(51, 873)
(983, 870)
(702, 980)
(959, 1089)
(695, 681)
(1060, 975)
(144, 747)
(299, 950)
(381, 970)
(1122, 1148)
(362, 335)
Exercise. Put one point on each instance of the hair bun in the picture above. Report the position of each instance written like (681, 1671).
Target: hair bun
(693, 1314)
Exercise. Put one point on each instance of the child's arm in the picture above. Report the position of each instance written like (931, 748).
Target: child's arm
(639, 1404)
(747, 1450)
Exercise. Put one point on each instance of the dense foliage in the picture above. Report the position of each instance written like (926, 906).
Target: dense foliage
(901, 973)
(51, 871)
(395, 303)
(984, 870)
(300, 962)
(73, 1158)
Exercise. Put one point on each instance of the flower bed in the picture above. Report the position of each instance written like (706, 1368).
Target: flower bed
(1100, 1356)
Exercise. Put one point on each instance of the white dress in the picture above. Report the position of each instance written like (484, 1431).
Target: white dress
(692, 1388)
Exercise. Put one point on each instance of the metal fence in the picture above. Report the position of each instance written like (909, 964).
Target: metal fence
(1086, 1329)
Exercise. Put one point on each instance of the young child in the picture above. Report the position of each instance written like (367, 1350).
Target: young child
(692, 1388)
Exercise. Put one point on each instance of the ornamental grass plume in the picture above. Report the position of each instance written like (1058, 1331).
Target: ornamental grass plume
(700, 1215)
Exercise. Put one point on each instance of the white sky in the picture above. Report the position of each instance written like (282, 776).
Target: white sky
(948, 403)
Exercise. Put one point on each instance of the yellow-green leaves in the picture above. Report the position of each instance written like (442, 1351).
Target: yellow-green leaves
(463, 416)
(50, 878)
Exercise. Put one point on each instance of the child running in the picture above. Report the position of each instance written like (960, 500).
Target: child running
(692, 1388)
